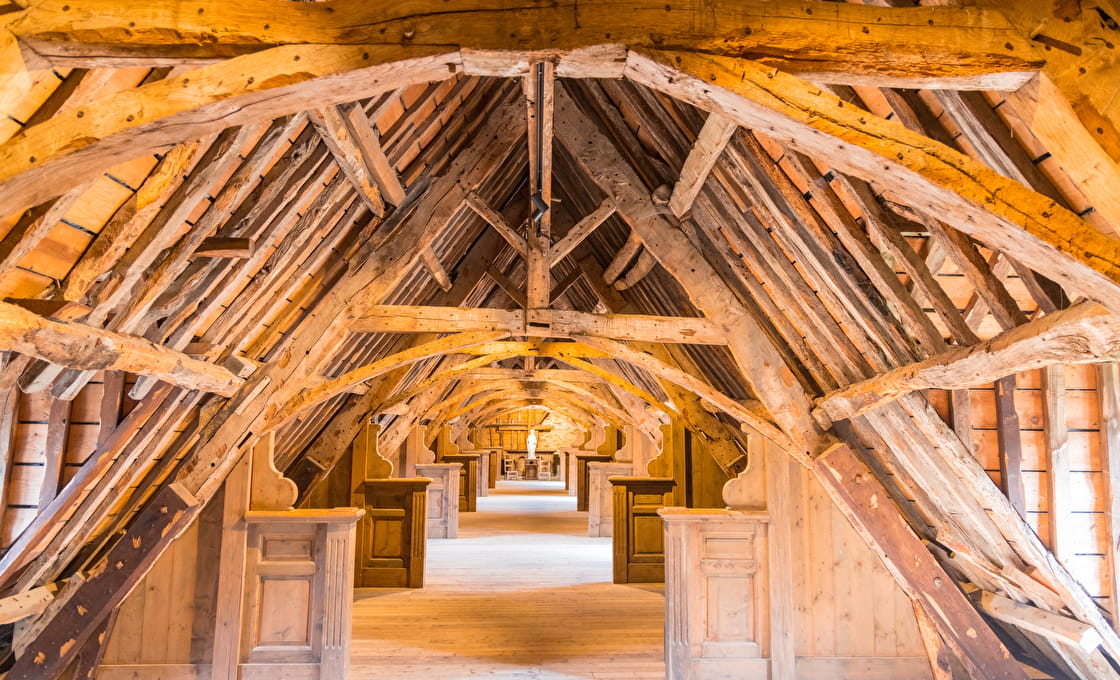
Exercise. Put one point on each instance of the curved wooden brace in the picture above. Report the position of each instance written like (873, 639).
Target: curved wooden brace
(591, 401)
(612, 415)
(331, 388)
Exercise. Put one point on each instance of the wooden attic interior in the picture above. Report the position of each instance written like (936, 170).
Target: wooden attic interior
(879, 240)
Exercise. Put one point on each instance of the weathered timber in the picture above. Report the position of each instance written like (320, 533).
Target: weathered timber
(546, 323)
(83, 604)
(1084, 333)
(88, 348)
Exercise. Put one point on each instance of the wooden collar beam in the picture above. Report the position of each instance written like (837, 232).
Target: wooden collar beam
(78, 346)
(542, 323)
(1084, 333)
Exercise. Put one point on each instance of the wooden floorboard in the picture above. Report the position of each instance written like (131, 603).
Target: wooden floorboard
(522, 594)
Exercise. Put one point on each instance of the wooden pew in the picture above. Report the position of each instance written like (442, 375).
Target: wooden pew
(583, 480)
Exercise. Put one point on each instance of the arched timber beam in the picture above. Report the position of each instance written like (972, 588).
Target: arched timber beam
(609, 414)
(581, 420)
(465, 370)
(331, 388)
(586, 399)
(332, 52)
(511, 405)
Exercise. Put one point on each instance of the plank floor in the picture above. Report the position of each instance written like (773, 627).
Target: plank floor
(522, 594)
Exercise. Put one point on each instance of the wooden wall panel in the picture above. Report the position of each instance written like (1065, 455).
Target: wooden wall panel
(156, 619)
(846, 604)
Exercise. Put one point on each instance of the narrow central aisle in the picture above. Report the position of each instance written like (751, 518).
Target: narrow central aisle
(522, 594)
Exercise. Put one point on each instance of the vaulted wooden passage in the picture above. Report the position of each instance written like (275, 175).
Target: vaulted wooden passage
(522, 593)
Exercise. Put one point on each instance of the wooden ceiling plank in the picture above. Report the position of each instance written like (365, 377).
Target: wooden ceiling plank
(1084, 333)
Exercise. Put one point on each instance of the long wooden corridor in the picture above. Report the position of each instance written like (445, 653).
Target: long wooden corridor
(522, 594)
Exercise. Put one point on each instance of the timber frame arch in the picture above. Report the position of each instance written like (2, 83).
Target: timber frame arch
(244, 83)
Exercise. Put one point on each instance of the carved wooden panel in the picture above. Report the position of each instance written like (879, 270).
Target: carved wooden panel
(717, 599)
(391, 536)
(639, 554)
(297, 594)
(600, 498)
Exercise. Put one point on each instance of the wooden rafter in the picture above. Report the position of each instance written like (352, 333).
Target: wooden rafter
(999, 212)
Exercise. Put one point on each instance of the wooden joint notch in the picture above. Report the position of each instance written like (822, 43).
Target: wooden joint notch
(237, 248)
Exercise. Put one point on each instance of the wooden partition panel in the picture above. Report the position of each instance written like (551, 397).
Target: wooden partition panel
(583, 480)
(468, 479)
(443, 498)
(600, 499)
(639, 544)
(717, 618)
(297, 607)
(392, 535)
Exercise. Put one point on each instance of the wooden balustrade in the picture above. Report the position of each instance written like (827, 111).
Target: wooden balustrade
(392, 535)
(639, 546)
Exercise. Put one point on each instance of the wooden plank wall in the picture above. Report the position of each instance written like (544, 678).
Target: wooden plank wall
(156, 622)
(846, 603)
(29, 446)
(1084, 525)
